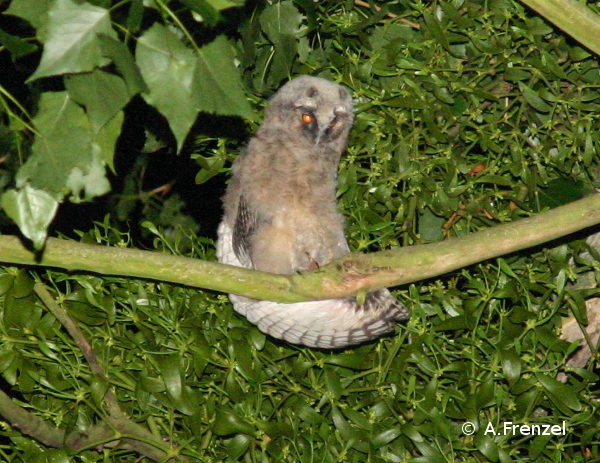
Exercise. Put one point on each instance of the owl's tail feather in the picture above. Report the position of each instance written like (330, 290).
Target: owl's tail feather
(383, 302)
(328, 324)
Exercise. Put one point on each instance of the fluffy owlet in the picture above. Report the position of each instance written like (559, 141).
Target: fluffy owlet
(281, 217)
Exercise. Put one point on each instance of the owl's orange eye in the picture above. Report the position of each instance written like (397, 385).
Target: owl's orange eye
(307, 118)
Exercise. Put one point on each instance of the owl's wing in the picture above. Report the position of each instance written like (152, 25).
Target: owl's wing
(245, 224)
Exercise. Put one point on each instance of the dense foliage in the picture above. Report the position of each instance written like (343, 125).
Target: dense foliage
(469, 114)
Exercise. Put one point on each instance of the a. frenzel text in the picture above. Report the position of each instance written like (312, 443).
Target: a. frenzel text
(509, 427)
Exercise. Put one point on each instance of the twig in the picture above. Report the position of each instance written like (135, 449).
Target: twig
(117, 425)
(29, 423)
(49, 435)
(66, 321)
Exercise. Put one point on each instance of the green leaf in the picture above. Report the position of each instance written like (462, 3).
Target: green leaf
(561, 191)
(72, 43)
(487, 446)
(228, 421)
(66, 159)
(333, 384)
(211, 166)
(349, 360)
(79, 307)
(35, 12)
(233, 388)
(6, 360)
(209, 9)
(15, 45)
(511, 364)
(275, 429)
(135, 16)
(53, 456)
(169, 70)
(435, 28)
(516, 74)
(98, 389)
(458, 322)
(169, 367)
(20, 312)
(102, 94)
(538, 446)
(534, 99)
(6, 282)
(281, 23)
(304, 411)
(125, 62)
(23, 285)
(182, 83)
(237, 446)
(385, 437)
(224, 4)
(430, 225)
(353, 435)
(219, 88)
(32, 210)
(105, 141)
(279, 19)
(560, 393)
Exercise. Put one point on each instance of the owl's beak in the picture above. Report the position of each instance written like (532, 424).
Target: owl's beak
(327, 130)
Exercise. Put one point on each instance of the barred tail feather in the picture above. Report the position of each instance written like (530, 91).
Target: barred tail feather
(328, 324)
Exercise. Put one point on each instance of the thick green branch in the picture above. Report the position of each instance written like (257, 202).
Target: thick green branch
(573, 17)
(341, 278)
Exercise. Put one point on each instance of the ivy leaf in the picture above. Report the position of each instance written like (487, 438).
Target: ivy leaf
(72, 43)
(220, 89)
(168, 68)
(182, 83)
(32, 210)
(16, 45)
(102, 94)
(281, 23)
(67, 159)
(106, 139)
(125, 62)
(64, 160)
(35, 12)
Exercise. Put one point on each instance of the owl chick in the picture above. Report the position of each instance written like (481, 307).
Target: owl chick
(281, 217)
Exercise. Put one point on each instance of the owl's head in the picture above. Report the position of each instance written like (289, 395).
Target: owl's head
(319, 110)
